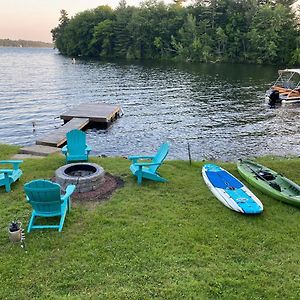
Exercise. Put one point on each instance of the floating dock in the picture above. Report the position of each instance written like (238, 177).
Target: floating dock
(91, 114)
(96, 113)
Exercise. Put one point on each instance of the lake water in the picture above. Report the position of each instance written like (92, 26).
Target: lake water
(218, 109)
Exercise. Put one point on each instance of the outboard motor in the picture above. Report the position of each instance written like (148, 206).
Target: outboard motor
(273, 98)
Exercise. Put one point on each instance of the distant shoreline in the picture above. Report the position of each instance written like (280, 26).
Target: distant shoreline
(24, 43)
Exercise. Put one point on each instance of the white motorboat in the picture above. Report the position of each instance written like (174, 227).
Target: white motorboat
(286, 89)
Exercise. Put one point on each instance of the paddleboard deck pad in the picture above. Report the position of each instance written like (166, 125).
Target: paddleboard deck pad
(230, 191)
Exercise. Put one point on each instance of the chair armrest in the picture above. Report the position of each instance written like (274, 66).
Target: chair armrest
(145, 164)
(88, 149)
(137, 157)
(6, 171)
(64, 149)
(15, 163)
(10, 161)
(69, 191)
(140, 157)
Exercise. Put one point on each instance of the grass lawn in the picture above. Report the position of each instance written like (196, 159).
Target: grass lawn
(171, 240)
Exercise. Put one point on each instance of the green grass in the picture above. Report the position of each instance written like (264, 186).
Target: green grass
(171, 240)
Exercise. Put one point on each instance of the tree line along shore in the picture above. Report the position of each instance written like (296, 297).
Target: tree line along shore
(250, 31)
(24, 43)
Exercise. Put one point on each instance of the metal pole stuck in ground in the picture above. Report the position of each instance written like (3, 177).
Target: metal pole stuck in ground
(189, 152)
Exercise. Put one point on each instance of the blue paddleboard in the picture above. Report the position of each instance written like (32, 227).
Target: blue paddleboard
(230, 191)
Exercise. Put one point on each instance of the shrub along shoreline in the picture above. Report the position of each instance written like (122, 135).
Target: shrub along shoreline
(167, 241)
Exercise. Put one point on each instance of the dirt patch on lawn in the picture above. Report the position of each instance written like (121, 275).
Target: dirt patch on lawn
(110, 184)
(101, 194)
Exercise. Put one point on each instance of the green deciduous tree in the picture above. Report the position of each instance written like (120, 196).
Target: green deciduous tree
(102, 41)
(272, 35)
(257, 31)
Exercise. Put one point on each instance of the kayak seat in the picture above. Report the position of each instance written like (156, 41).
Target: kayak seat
(266, 175)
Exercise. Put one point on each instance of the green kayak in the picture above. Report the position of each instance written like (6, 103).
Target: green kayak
(270, 182)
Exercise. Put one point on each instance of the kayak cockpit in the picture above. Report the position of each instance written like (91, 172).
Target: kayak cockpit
(266, 175)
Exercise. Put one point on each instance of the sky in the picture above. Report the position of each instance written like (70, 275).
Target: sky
(33, 19)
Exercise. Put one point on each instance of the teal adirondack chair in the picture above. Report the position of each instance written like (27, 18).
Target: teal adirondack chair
(8, 176)
(148, 170)
(76, 148)
(47, 201)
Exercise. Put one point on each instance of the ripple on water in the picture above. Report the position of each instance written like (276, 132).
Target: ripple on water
(218, 109)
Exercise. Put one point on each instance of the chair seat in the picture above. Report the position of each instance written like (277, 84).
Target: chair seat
(13, 177)
(134, 169)
(48, 214)
(16, 175)
(77, 157)
(9, 176)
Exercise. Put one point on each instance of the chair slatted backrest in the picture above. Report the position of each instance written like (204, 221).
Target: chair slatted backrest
(44, 196)
(160, 156)
(76, 141)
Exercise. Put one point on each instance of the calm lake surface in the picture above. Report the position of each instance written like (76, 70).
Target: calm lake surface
(219, 109)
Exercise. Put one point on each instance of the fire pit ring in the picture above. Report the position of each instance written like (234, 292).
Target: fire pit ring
(86, 176)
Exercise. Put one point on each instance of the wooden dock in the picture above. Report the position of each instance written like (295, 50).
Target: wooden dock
(78, 118)
(58, 137)
(97, 113)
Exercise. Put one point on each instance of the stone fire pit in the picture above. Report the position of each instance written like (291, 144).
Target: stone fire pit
(86, 176)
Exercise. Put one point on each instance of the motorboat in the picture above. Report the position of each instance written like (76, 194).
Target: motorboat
(286, 89)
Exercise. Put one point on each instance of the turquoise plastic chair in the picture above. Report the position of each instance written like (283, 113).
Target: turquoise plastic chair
(76, 148)
(9, 176)
(46, 200)
(148, 170)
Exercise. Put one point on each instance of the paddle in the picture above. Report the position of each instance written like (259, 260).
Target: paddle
(274, 185)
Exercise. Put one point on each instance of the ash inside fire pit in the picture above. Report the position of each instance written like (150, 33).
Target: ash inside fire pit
(80, 170)
(86, 176)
